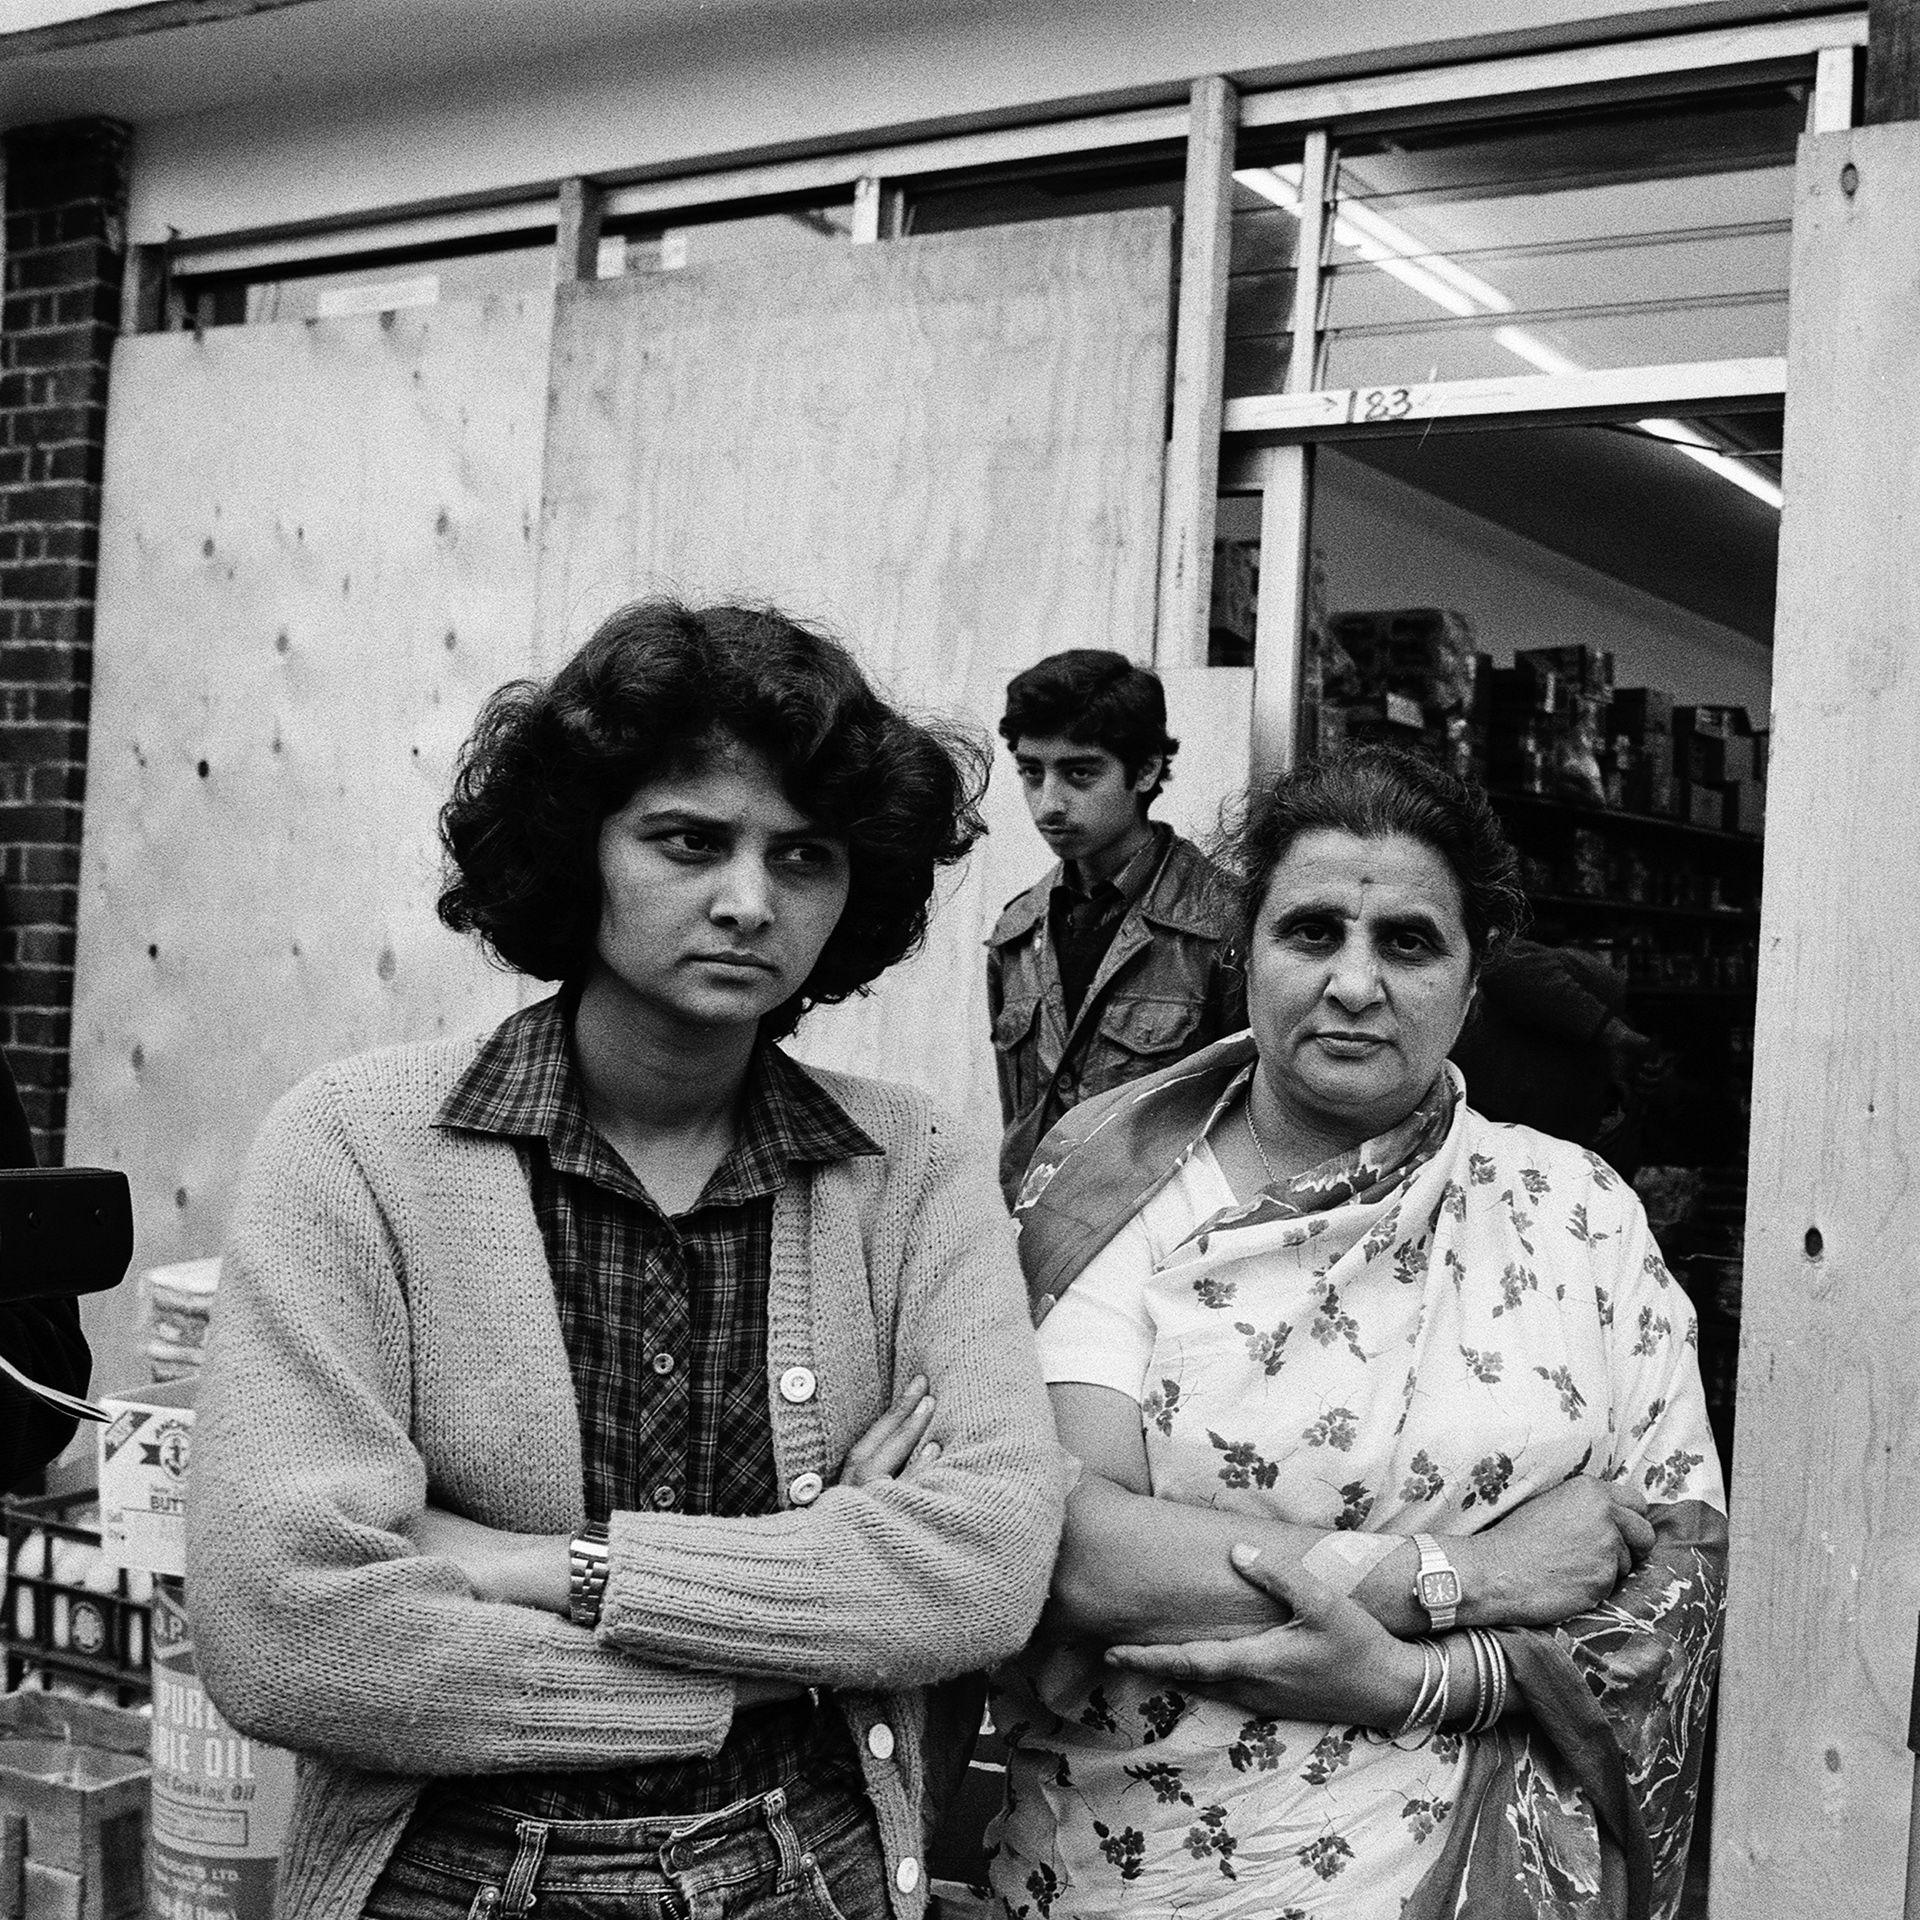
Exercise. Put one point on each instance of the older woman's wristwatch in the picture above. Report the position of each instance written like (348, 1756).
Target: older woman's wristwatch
(1436, 1586)
(587, 1574)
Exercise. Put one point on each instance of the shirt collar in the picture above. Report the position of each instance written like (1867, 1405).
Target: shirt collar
(1131, 882)
(523, 1085)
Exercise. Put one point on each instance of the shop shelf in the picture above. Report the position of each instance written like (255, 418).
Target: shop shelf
(1745, 917)
(1725, 995)
(1545, 806)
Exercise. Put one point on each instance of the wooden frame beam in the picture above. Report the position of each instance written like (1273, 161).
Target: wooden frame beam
(1199, 362)
(1893, 61)
(1488, 84)
(1348, 412)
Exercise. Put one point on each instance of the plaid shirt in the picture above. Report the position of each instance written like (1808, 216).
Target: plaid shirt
(665, 1324)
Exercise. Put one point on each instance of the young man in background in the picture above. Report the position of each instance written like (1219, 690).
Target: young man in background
(1120, 960)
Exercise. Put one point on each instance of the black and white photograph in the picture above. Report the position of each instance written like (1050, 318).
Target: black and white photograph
(956, 960)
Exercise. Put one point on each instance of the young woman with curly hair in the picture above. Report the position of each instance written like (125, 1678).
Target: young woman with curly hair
(614, 1427)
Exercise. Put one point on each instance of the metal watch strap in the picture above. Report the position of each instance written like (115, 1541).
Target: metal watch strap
(1436, 1579)
(587, 1574)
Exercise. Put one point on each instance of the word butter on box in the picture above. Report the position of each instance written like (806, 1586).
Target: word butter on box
(144, 1447)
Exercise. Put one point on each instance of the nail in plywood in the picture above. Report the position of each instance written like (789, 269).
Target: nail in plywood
(946, 449)
(1200, 348)
(1811, 1810)
(316, 559)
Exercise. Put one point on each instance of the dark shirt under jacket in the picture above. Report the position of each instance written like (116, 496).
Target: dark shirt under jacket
(41, 1337)
(665, 1323)
(1083, 923)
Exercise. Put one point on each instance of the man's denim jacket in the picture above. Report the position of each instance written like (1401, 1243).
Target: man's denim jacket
(1169, 984)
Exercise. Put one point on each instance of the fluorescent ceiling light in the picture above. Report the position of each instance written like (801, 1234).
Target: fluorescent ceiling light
(1695, 446)
(1452, 288)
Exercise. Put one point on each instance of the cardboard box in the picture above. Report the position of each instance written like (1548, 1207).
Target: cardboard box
(1719, 723)
(144, 1449)
(1646, 791)
(1706, 804)
(1579, 669)
(1700, 758)
(1746, 805)
(1740, 759)
(1641, 711)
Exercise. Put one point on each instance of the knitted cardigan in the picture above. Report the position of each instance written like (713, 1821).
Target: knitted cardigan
(387, 1337)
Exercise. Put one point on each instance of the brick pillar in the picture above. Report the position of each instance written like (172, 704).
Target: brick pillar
(65, 238)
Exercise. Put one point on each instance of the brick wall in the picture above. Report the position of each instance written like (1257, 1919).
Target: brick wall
(64, 239)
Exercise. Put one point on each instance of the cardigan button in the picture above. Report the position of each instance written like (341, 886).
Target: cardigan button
(798, 1385)
(906, 1876)
(880, 1740)
(805, 1488)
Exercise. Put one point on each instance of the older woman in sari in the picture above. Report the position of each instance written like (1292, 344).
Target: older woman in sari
(1394, 1571)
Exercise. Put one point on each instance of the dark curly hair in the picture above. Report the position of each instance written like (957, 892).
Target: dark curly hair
(656, 692)
(1094, 698)
(1373, 792)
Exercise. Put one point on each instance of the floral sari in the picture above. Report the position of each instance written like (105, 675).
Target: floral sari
(1416, 1336)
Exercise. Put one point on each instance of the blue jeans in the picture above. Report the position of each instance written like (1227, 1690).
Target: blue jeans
(796, 1853)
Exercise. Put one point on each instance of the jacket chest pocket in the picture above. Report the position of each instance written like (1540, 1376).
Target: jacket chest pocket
(1016, 1052)
(1014, 1022)
(1136, 1036)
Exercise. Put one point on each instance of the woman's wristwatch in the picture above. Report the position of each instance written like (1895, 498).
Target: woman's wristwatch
(587, 1574)
(1436, 1586)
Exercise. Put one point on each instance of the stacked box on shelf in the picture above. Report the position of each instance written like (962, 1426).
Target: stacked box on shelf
(71, 1621)
(1714, 750)
(1406, 678)
(1575, 686)
(1744, 755)
(1640, 721)
(1520, 712)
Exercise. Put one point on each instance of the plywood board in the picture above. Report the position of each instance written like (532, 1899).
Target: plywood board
(947, 450)
(1811, 1810)
(317, 558)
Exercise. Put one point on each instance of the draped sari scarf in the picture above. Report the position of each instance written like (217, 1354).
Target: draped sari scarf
(1612, 1704)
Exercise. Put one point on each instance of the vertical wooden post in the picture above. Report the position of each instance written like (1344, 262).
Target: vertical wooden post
(1315, 163)
(1814, 1779)
(867, 209)
(1831, 108)
(1893, 61)
(577, 243)
(1199, 363)
(1286, 496)
(1279, 628)
(143, 290)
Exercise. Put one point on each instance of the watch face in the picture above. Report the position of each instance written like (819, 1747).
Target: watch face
(1441, 1589)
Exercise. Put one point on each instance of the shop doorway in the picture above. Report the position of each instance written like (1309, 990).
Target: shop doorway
(1579, 616)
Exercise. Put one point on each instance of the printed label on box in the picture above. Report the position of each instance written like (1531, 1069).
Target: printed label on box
(146, 1448)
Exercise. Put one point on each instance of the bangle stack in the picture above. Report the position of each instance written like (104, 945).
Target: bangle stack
(1431, 1705)
(1490, 1675)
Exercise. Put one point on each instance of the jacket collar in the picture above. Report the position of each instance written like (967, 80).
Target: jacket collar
(1175, 896)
